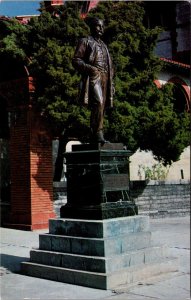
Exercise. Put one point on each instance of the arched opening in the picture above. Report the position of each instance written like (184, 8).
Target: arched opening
(181, 94)
(181, 103)
(12, 69)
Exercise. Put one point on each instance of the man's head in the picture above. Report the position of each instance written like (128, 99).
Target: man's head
(96, 26)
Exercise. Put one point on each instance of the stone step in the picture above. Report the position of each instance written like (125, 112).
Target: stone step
(166, 212)
(169, 204)
(98, 228)
(162, 208)
(95, 246)
(160, 205)
(166, 201)
(99, 264)
(162, 197)
(104, 281)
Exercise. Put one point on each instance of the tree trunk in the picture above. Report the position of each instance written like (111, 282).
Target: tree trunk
(63, 140)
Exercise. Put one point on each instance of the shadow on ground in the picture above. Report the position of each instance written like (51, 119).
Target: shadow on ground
(12, 263)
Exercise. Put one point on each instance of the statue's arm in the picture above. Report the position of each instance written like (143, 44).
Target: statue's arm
(80, 59)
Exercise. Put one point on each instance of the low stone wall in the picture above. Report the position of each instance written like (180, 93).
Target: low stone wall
(157, 199)
(154, 198)
(160, 199)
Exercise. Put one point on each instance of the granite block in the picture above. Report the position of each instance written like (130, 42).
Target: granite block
(69, 244)
(69, 261)
(83, 278)
(103, 281)
(127, 242)
(96, 181)
(136, 274)
(71, 227)
(98, 264)
(98, 253)
(94, 246)
(101, 211)
(99, 228)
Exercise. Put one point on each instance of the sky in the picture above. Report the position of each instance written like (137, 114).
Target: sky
(19, 7)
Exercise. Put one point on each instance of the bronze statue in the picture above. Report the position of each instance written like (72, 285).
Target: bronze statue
(93, 61)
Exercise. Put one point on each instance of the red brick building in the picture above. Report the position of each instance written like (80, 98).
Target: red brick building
(26, 190)
(30, 152)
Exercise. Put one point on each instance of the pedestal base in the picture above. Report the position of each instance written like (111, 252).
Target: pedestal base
(98, 253)
(100, 212)
(98, 182)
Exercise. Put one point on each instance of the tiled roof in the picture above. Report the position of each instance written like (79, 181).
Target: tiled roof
(175, 63)
(5, 18)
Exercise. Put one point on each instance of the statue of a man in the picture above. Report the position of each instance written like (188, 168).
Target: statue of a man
(93, 61)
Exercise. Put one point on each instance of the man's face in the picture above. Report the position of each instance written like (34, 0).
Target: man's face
(98, 29)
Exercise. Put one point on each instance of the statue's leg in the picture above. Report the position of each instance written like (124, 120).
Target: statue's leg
(96, 122)
(98, 92)
(97, 108)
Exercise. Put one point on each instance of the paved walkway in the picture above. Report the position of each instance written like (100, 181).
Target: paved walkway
(16, 245)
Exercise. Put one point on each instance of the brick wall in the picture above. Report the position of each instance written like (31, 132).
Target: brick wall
(30, 145)
(41, 172)
(20, 168)
(31, 172)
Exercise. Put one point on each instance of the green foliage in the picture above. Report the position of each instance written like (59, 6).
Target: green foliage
(155, 172)
(46, 46)
(131, 46)
(12, 40)
(165, 132)
(51, 48)
(143, 116)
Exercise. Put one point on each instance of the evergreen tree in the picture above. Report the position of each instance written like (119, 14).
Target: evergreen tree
(53, 41)
(143, 116)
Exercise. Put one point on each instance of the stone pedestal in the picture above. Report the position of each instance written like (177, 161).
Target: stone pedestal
(98, 253)
(98, 182)
(99, 241)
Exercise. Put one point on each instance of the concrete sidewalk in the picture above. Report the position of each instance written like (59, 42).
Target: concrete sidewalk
(16, 246)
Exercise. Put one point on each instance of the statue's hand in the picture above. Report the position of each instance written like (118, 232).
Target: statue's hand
(92, 71)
